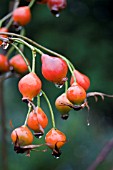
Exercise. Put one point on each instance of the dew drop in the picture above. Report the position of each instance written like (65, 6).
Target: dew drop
(40, 94)
(56, 157)
(18, 28)
(57, 15)
(59, 86)
(88, 124)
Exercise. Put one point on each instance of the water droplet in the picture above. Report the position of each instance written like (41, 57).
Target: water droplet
(56, 157)
(57, 15)
(40, 94)
(18, 28)
(59, 86)
(88, 124)
(38, 135)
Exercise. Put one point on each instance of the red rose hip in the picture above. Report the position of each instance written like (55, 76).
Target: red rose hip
(22, 15)
(81, 79)
(18, 64)
(54, 69)
(63, 105)
(29, 86)
(22, 136)
(76, 94)
(37, 121)
(56, 6)
(55, 139)
(4, 64)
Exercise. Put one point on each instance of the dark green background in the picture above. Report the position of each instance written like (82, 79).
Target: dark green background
(84, 34)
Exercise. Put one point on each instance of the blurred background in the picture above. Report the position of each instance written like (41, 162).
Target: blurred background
(84, 34)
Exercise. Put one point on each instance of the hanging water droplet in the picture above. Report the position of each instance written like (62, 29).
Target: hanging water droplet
(57, 15)
(18, 28)
(57, 157)
(59, 86)
(40, 94)
(88, 124)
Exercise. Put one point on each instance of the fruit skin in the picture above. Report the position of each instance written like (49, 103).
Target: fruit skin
(55, 139)
(56, 6)
(4, 64)
(22, 15)
(81, 79)
(22, 136)
(3, 29)
(18, 64)
(29, 86)
(54, 69)
(76, 94)
(63, 105)
(37, 119)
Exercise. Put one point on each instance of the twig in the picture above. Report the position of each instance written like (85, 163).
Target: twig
(95, 94)
(3, 127)
(102, 156)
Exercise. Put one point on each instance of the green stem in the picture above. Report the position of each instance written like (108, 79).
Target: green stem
(27, 44)
(38, 100)
(22, 32)
(5, 18)
(50, 108)
(71, 67)
(33, 60)
(29, 68)
(31, 3)
(66, 86)
(29, 110)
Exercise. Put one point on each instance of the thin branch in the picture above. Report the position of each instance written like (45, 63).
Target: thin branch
(95, 94)
(3, 127)
(102, 155)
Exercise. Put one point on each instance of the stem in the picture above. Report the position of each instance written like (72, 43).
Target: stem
(27, 44)
(103, 154)
(70, 65)
(38, 100)
(5, 18)
(16, 3)
(31, 3)
(22, 45)
(66, 86)
(33, 61)
(50, 108)
(29, 110)
(29, 68)
(4, 130)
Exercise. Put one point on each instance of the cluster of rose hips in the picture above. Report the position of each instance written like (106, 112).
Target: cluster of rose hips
(54, 69)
